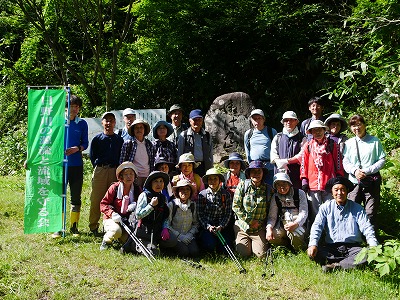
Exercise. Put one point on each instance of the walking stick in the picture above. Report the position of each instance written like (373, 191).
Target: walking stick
(139, 245)
(230, 252)
(269, 256)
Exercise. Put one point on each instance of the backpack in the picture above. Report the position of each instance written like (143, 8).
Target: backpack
(269, 132)
(224, 195)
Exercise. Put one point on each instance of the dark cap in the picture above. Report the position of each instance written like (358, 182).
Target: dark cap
(339, 180)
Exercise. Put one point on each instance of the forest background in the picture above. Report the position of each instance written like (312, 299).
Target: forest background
(154, 53)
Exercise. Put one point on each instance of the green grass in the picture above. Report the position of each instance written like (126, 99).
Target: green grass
(38, 267)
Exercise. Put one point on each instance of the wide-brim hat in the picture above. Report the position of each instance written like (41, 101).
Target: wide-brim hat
(139, 121)
(256, 164)
(182, 183)
(125, 165)
(173, 108)
(281, 176)
(339, 180)
(187, 157)
(337, 117)
(154, 175)
(103, 116)
(289, 115)
(213, 171)
(316, 124)
(235, 156)
(162, 160)
(257, 112)
(170, 130)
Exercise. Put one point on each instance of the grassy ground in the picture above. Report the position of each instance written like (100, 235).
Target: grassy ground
(38, 267)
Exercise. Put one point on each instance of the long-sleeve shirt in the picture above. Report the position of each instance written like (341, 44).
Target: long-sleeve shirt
(342, 224)
(371, 153)
(251, 205)
(214, 208)
(77, 137)
(299, 215)
(105, 149)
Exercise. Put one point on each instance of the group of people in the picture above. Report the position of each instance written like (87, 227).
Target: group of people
(293, 186)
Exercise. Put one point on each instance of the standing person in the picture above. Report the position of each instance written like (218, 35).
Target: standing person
(337, 125)
(286, 147)
(163, 147)
(236, 166)
(186, 165)
(287, 214)
(104, 155)
(76, 143)
(129, 117)
(315, 106)
(139, 150)
(214, 212)
(251, 204)
(152, 212)
(344, 224)
(118, 204)
(257, 142)
(321, 161)
(198, 141)
(363, 158)
(176, 113)
(182, 221)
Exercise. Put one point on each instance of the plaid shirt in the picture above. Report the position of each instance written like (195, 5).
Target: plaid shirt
(251, 206)
(214, 209)
(129, 149)
(166, 149)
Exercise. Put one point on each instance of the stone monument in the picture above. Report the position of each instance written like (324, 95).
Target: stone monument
(227, 120)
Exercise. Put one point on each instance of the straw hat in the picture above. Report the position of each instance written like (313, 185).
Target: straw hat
(182, 183)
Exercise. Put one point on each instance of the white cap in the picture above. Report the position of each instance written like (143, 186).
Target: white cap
(281, 176)
(257, 112)
(128, 111)
(289, 115)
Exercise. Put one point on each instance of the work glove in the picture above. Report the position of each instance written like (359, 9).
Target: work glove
(165, 234)
(116, 217)
(131, 207)
(281, 163)
(305, 188)
(299, 231)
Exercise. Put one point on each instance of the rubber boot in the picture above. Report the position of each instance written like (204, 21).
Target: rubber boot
(74, 219)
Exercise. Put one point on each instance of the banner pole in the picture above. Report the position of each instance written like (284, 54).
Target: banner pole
(66, 146)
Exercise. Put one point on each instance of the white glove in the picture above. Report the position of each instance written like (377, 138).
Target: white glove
(131, 207)
(281, 163)
(116, 217)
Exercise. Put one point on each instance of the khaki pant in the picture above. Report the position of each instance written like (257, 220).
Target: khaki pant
(102, 178)
(246, 243)
(285, 238)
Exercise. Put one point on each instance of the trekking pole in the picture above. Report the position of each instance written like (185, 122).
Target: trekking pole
(269, 256)
(139, 245)
(230, 252)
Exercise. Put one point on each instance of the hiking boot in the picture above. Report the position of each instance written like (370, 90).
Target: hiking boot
(103, 246)
(330, 267)
(96, 233)
(56, 235)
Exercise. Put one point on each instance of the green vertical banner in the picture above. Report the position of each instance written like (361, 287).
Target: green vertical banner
(44, 176)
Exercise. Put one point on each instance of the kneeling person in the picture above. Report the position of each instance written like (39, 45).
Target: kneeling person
(287, 215)
(344, 223)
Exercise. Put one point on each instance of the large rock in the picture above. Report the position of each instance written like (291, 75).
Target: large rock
(227, 120)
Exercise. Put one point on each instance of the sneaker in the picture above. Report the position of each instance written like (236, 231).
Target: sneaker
(96, 233)
(103, 246)
(56, 235)
(74, 231)
(330, 267)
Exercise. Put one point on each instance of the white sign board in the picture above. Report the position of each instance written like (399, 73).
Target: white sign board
(150, 115)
